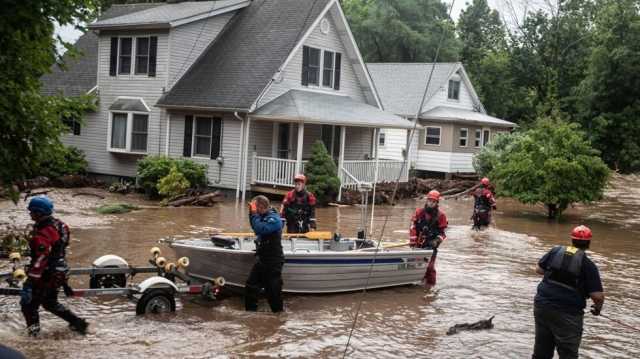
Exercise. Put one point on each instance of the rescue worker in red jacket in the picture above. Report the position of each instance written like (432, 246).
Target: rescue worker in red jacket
(484, 202)
(299, 207)
(48, 270)
(428, 231)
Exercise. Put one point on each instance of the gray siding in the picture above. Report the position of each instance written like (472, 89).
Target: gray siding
(358, 143)
(292, 74)
(187, 43)
(224, 176)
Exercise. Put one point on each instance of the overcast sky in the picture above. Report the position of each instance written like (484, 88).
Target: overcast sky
(70, 34)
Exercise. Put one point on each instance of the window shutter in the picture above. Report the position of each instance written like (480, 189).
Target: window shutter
(76, 127)
(113, 58)
(336, 81)
(305, 66)
(153, 51)
(216, 137)
(188, 133)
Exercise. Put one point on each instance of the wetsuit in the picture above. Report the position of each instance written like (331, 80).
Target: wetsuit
(299, 211)
(484, 202)
(46, 274)
(560, 301)
(267, 271)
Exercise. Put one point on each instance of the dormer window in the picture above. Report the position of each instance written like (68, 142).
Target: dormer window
(454, 90)
(125, 49)
(313, 60)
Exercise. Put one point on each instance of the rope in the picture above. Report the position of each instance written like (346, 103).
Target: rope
(395, 188)
(621, 323)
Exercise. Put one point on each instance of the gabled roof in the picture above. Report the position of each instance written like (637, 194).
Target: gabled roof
(79, 74)
(169, 15)
(453, 114)
(402, 85)
(327, 109)
(245, 56)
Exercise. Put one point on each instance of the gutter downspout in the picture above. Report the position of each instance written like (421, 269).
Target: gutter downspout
(241, 155)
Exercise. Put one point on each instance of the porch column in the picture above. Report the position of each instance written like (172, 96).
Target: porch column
(343, 133)
(408, 145)
(299, 148)
(240, 159)
(375, 178)
(246, 159)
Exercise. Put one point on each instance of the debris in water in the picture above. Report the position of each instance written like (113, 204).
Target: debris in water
(116, 208)
(479, 325)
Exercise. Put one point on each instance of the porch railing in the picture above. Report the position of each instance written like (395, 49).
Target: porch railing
(274, 171)
(365, 171)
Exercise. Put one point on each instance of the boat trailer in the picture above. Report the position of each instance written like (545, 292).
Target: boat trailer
(108, 277)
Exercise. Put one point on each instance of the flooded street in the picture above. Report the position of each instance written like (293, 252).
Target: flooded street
(479, 275)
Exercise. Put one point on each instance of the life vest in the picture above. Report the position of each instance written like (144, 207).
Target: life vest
(565, 267)
(481, 200)
(427, 226)
(298, 205)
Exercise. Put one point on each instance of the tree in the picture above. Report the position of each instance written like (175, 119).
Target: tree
(610, 92)
(552, 163)
(402, 30)
(31, 123)
(322, 174)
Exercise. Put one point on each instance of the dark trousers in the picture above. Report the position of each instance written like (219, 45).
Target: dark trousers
(267, 275)
(556, 330)
(48, 298)
(294, 226)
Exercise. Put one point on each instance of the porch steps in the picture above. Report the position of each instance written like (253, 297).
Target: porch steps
(270, 189)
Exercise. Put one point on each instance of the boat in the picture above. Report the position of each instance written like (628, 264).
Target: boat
(311, 266)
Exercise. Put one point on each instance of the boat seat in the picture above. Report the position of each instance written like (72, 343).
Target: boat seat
(223, 241)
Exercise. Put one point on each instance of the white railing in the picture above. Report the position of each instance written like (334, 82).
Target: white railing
(348, 181)
(274, 171)
(365, 171)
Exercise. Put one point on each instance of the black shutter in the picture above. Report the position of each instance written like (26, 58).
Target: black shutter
(76, 127)
(336, 80)
(153, 51)
(188, 132)
(113, 58)
(305, 66)
(216, 136)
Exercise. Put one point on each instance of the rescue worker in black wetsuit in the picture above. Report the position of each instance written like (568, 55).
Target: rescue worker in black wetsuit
(299, 208)
(569, 278)
(484, 203)
(267, 271)
(48, 270)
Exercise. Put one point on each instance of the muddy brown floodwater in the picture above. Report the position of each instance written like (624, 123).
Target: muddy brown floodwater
(479, 275)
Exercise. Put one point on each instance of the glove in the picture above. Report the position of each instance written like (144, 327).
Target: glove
(252, 208)
(596, 309)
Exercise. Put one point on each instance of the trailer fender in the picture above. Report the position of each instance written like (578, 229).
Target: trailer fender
(156, 282)
(110, 260)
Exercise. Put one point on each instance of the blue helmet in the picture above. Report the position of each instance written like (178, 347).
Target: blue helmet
(41, 205)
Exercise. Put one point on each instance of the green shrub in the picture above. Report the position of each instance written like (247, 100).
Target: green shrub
(66, 161)
(152, 169)
(173, 184)
(116, 208)
(322, 174)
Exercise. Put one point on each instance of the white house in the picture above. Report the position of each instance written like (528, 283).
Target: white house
(455, 125)
(245, 87)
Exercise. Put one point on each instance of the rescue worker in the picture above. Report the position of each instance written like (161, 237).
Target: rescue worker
(48, 270)
(428, 231)
(299, 207)
(267, 271)
(484, 202)
(569, 278)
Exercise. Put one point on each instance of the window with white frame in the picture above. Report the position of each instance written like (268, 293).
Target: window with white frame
(202, 136)
(142, 55)
(327, 69)
(432, 135)
(464, 134)
(454, 90)
(137, 52)
(124, 56)
(321, 66)
(129, 132)
(478, 138)
(485, 136)
(381, 138)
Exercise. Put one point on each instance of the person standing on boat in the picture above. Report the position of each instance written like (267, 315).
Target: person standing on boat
(428, 231)
(299, 207)
(484, 203)
(267, 271)
(48, 269)
(569, 278)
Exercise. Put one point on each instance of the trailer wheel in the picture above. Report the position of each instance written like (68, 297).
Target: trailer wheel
(108, 280)
(156, 301)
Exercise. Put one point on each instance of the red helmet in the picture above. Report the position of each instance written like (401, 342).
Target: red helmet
(434, 195)
(485, 181)
(582, 233)
(300, 177)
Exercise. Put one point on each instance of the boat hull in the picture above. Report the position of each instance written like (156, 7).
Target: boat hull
(310, 272)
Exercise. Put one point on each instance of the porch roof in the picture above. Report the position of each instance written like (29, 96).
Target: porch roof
(458, 115)
(327, 109)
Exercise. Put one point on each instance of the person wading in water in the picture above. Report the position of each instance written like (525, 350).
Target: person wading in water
(428, 231)
(299, 208)
(267, 271)
(484, 202)
(569, 278)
